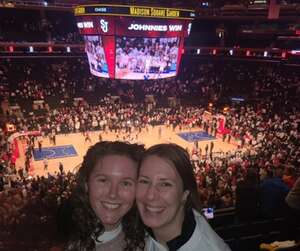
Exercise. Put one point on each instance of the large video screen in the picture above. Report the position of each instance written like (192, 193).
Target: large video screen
(133, 48)
(146, 58)
(96, 56)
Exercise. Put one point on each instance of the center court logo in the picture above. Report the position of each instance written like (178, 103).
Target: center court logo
(104, 25)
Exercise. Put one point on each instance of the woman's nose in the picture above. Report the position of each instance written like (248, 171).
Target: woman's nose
(151, 192)
(113, 190)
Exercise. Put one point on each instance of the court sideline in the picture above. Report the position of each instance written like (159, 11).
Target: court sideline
(148, 137)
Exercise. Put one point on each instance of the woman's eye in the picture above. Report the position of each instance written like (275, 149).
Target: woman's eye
(127, 183)
(101, 180)
(165, 184)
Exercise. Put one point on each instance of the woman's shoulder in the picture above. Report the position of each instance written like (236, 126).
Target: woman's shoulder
(116, 244)
(204, 236)
(152, 245)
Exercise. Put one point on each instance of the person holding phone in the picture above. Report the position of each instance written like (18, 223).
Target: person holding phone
(169, 204)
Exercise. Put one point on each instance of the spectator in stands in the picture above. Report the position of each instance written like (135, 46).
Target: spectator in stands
(292, 214)
(247, 196)
(1, 181)
(103, 199)
(289, 176)
(169, 203)
(61, 167)
(272, 193)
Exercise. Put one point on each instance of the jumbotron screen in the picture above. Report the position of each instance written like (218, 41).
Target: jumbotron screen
(130, 42)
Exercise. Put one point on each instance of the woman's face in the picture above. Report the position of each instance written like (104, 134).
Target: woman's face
(111, 189)
(160, 196)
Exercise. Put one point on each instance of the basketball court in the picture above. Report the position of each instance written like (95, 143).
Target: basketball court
(70, 149)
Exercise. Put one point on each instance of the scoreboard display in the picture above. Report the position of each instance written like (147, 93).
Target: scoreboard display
(133, 42)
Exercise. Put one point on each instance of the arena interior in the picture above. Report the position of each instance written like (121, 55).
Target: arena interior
(231, 99)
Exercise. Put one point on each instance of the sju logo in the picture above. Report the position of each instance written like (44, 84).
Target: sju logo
(104, 25)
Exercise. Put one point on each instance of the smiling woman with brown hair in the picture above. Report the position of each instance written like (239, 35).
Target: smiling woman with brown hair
(104, 214)
(169, 203)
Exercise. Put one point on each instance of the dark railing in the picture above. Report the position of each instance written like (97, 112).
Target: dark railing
(26, 49)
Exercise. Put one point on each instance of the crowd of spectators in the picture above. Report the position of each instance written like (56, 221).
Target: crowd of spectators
(33, 204)
(20, 25)
(200, 82)
(265, 126)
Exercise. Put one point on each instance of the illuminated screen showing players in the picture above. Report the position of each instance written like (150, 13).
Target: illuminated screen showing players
(96, 56)
(131, 45)
(146, 58)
